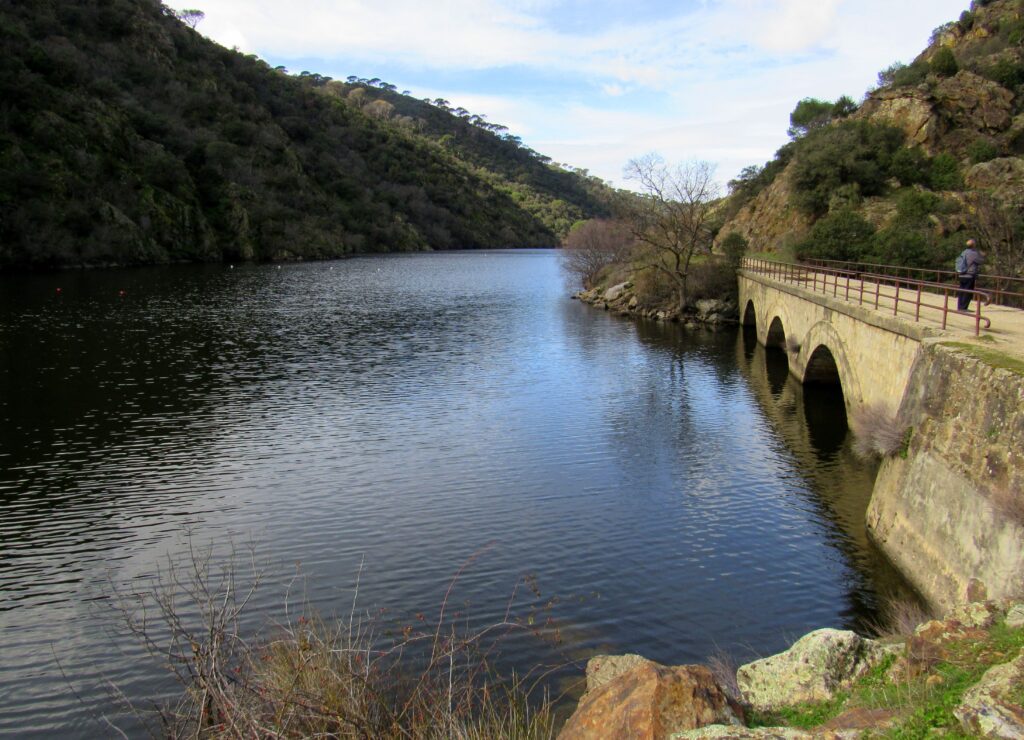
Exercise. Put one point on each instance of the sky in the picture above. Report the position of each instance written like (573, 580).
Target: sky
(595, 83)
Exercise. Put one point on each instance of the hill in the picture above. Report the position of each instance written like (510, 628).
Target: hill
(933, 152)
(128, 138)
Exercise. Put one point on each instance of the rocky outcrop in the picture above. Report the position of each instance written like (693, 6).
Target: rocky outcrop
(770, 220)
(1003, 177)
(909, 109)
(622, 300)
(814, 669)
(629, 696)
(989, 708)
(648, 701)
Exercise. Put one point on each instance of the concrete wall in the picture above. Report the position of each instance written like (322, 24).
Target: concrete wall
(953, 508)
(874, 355)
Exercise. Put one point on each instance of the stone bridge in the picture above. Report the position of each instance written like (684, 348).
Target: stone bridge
(828, 340)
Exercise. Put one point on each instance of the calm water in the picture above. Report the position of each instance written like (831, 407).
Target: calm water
(675, 491)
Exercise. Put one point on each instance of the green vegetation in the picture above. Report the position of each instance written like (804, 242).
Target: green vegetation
(992, 357)
(126, 137)
(921, 699)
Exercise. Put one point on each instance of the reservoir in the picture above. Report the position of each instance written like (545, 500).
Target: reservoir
(391, 420)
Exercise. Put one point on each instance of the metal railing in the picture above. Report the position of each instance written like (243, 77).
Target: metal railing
(874, 290)
(1002, 289)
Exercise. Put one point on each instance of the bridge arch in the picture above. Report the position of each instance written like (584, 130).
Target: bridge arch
(824, 359)
(776, 335)
(750, 315)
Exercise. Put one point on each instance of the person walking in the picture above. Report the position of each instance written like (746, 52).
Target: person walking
(968, 264)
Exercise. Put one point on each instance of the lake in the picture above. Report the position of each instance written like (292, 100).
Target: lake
(391, 419)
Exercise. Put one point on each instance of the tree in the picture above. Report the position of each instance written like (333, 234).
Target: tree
(673, 217)
(190, 16)
(809, 114)
(592, 246)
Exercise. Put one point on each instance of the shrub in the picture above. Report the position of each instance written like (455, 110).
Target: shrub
(944, 63)
(1005, 72)
(899, 74)
(945, 173)
(734, 247)
(842, 235)
(910, 166)
(312, 678)
(712, 278)
(877, 433)
(982, 150)
(856, 152)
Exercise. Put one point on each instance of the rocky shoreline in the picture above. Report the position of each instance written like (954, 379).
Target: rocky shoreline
(623, 300)
(961, 675)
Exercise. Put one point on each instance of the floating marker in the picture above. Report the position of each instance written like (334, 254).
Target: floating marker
(121, 293)
(59, 290)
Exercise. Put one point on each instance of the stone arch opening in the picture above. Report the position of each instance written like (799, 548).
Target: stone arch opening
(822, 368)
(776, 334)
(825, 401)
(750, 315)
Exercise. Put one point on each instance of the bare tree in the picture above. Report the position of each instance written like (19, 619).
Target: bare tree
(593, 245)
(672, 218)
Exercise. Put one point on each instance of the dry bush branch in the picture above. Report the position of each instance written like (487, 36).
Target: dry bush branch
(877, 432)
(316, 677)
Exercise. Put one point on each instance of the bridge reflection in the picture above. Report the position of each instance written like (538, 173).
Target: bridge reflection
(811, 420)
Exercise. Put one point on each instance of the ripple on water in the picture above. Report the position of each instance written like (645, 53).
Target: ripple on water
(407, 413)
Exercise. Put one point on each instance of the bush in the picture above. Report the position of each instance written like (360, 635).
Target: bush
(1005, 72)
(850, 152)
(711, 278)
(945, 173)
(982, 150)
(910, 166)
(899, 74)
(944, 63)
(734, 247)
(842, 235)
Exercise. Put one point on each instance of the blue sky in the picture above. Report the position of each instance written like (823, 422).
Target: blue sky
(593, 84)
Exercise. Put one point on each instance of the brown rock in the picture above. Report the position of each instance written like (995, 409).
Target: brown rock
(972, 102)
(651, 701)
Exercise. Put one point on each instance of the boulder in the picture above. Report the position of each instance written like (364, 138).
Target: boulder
(604, 668)
(1015, 616)
(648, 701)
(976, 614)
(987, 709)
(615, 292)
(725, 732)
(814, 669)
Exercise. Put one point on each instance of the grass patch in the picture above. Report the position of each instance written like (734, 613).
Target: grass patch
(924, 703)
(803, 716)
(992, 357)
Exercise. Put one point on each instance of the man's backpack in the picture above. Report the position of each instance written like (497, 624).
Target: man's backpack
(961, 263)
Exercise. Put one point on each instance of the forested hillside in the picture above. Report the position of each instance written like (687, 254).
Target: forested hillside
(128, 138)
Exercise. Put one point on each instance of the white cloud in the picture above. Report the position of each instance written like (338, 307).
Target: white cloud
(713, 79)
